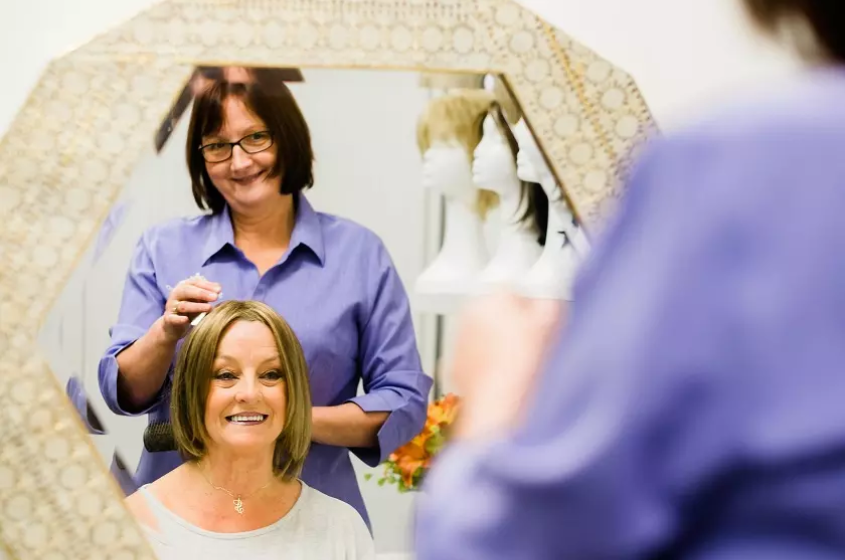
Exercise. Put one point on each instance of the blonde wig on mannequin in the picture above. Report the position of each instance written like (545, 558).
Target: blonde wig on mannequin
(450, 80)
(510, 109)
(458, 117)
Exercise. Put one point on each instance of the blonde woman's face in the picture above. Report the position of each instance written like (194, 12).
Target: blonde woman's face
(247, 399)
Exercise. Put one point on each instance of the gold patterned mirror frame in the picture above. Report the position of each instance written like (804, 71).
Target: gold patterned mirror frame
(71, 149)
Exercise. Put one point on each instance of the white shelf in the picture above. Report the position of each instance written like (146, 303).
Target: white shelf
(439, 304)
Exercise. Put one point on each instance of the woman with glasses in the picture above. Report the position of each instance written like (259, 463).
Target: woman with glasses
(249, 157)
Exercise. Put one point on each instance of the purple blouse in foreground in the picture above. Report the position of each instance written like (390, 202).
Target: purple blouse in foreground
(694, 406)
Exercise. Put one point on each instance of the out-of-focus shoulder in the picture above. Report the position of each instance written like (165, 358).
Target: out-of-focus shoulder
(808, 103)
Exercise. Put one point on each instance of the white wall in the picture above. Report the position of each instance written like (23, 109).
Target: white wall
(32, 32)
(684, 54)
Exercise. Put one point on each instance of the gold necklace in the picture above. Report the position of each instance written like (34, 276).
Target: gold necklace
(237, 498)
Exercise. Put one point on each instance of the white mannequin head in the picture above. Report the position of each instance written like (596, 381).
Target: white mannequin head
(448, 132)
(493, 166)
(447, 169)
(530, 164)
(529, 160)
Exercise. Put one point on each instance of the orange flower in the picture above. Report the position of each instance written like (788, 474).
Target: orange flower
(443, 412)
(409, 458)
(408, 463)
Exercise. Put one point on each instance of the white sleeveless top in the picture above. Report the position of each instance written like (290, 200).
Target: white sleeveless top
(317, 527)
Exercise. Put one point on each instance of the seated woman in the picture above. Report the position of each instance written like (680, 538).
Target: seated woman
(241, 414)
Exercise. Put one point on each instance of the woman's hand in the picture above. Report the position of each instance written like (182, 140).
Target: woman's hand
(188, 299)
(143, 365)
(501, 345)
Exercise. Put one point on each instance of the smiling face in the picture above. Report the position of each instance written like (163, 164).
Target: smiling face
(247, 397)
(244, 180)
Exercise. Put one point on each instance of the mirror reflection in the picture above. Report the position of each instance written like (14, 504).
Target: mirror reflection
(359, 208)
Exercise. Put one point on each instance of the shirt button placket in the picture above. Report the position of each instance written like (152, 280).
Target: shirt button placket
(260, 291)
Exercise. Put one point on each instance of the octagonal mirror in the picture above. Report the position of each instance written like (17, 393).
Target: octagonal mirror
(482, 147)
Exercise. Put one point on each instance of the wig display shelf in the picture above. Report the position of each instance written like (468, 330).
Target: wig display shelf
(536, 284)
(440, 303)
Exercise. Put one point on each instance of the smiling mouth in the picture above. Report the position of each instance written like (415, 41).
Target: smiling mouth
(246, 419)
(250, 179)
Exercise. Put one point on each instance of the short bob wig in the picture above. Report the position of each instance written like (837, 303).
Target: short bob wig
(269, 98)
(826, 19)
(458, 116)
(194, 371)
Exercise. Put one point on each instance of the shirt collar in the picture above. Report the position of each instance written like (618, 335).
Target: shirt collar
(307, 231)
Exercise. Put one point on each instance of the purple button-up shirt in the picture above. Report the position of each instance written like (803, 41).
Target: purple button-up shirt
(337, 288)
(694, 406)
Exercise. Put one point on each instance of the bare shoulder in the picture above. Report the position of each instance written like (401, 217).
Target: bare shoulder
(167, 485)
(139, 507)
(170, 489)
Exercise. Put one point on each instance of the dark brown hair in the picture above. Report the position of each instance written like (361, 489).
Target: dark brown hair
(270, 99)
(825, 17)
(195, 367)
(536, 202)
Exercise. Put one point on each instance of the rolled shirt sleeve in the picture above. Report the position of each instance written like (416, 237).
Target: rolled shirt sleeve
(392, 374)
(76, 393)
(142, 304)
(636, 405)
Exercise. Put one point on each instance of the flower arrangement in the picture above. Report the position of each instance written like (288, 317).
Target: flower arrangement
(408, 465)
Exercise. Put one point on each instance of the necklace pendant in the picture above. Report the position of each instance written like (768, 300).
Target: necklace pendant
(239, 505)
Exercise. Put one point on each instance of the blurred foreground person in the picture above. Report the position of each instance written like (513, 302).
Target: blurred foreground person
(694, 404)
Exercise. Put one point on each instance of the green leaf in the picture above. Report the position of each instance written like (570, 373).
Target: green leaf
(368, 476)
(382, 481)
(435, 442)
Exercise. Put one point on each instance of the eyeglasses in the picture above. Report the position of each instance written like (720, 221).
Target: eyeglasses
(221, 151)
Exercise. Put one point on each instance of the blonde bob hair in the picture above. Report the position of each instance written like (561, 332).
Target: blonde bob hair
(458, 116)
(194, 371)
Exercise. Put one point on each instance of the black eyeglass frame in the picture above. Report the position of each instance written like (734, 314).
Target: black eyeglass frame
(232, 145)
